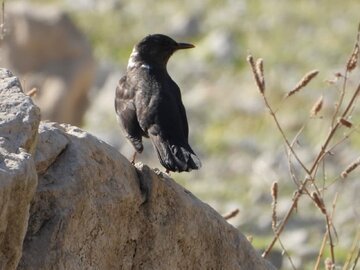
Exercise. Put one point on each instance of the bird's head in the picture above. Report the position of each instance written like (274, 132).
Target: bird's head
(156, 49)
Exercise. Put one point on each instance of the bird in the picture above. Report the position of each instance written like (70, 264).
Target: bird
(148, 104)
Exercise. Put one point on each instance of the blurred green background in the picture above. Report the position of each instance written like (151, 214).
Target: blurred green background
(241, 149)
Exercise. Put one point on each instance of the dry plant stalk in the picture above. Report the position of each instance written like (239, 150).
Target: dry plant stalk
(352, 251)
(351, 64)
(317, 106)
(350, 168)
(303, 82)
(320, 204)
(356, 260)
(326, 235)
(231, 214)
(295, 199)
(311, 172)
(322, 247)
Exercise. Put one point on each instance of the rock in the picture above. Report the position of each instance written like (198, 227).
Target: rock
(48, 52)
(90, 199)
(51, 144)
(19, 117)
(19, 120)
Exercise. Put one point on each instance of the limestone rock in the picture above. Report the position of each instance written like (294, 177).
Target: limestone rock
(48, 52)
(19, 120)
(94, 210)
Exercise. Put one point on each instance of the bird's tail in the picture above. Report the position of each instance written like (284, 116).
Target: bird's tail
(175, 157)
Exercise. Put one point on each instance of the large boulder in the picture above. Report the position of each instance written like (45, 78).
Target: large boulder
(92, 209)
(44, 47)
(19, 120)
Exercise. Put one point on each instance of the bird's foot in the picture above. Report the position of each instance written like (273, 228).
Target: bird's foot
(133, 159)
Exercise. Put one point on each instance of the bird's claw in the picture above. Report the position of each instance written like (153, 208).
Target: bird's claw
(133, 159)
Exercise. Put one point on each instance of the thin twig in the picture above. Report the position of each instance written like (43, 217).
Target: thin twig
(331, 243)
(310, 172)
(326, 235)
(287, 254)
(347, 70)
(334, 129)
(356, 259)
(290, 165)
(284, 136)
(321, 251)
(341, 99)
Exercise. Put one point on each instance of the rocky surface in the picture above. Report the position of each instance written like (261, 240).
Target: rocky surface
(92, 209)
(45, 48)
(19, 120)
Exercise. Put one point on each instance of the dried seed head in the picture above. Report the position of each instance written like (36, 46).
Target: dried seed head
(329, 264)
(260, 71)
(274, 190)
(274, 195)
(232, 214)
(319, 202)
(345, 122)
(317, 106)
(303, 82)
(353, 60)
(259, 83)
(250, 60)
(350, 168)
(32, 92)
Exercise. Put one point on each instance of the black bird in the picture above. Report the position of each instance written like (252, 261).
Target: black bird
(148, 104)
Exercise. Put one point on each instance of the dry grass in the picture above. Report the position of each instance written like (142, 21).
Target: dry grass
(308, 186)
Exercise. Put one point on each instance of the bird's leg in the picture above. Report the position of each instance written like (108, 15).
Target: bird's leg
(133, 158)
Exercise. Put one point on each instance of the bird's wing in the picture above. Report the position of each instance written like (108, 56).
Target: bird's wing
(184, 118)
(181, 110)
(126, 113)
(169, 132)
